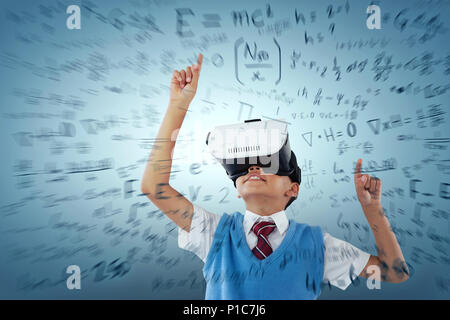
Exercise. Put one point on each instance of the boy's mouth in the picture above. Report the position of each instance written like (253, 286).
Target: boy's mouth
(254, 177)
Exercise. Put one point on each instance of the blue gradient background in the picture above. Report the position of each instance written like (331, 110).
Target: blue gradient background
(115, 74)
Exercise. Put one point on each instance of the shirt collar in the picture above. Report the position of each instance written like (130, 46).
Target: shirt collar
(280, 219)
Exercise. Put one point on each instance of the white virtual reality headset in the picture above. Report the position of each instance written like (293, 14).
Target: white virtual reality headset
(264, 143)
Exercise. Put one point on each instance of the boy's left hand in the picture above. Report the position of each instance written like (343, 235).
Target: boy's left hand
(368, 188)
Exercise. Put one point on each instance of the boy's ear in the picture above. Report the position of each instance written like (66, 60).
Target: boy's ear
(293, 191)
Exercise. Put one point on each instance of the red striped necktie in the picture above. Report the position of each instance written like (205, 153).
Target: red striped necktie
(262, 230)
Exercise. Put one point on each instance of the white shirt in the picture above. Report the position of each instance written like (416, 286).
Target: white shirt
(339, 256)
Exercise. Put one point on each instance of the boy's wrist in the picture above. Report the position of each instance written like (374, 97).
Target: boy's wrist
(370, 210)
(183, 105)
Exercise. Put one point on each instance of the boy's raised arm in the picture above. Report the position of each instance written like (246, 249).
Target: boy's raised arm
(155, 181)
(389, 260)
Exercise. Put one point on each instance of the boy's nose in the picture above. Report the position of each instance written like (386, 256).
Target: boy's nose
(254, 168)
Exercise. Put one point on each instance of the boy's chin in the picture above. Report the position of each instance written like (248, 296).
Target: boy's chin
(254, 187)
(254, 192)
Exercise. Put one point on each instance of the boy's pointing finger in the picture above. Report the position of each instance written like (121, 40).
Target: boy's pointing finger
(200, 61)
(358, 168)
(196, 71)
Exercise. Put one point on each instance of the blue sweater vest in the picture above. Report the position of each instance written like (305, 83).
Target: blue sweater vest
(294, 271)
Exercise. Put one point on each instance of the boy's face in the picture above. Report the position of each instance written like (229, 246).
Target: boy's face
(267, 188)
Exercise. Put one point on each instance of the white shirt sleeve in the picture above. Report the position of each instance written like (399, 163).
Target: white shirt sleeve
(341, 258)
(199, 239)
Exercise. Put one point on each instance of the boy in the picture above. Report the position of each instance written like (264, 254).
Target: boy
(262, 254)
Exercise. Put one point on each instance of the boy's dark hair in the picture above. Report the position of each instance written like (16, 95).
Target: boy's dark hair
(289, 202)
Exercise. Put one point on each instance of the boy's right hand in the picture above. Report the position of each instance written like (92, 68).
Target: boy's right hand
(183, 85)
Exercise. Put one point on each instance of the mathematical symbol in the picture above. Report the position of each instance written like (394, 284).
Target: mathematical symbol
(183, 23)
(307, 136)
(368, 147)
(257, 76)
(329, 135)
(396, 121)
(211, 20)
(375, 128)
(254, 58)
(343, 146)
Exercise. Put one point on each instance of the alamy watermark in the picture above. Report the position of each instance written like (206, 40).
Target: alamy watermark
(74, 280)
(74, 20)
(374, 19)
